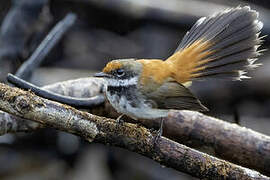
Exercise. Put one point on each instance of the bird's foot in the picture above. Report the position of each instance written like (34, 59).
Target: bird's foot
(120, 120)
(159, 133)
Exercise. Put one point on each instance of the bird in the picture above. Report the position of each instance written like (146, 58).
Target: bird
(221, 46)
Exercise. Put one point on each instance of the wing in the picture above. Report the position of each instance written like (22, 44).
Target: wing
(172, 95)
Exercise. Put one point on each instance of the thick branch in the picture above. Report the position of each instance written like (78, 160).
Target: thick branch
(126, 135)
(90, 87)
(225, 140)
(13, 124)
(229, 141)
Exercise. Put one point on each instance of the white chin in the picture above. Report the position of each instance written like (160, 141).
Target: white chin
(123, 82)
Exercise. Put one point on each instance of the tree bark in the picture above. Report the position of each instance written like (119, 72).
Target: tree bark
(129, 136)
(225, 140)
(14, 124)
(216, 137)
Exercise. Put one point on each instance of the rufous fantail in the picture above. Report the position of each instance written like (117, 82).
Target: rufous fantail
(223, 45)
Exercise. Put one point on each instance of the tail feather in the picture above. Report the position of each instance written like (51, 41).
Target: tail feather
(236, 75)
(217, 23)
(239, 61)
(236, 48)
(234, 26)
(249, 34)
(238, 65)
(204, 24)
(221, 46)
(234, 56)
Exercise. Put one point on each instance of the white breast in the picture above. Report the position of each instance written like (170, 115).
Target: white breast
(142, 111)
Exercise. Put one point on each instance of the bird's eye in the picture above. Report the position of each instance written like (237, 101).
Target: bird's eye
(120, 72)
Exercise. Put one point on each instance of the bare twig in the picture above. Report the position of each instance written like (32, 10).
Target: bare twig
(46, 45)
(27, 68)
(129, 136)
(77, 102)
(18, 26)
(17, 30)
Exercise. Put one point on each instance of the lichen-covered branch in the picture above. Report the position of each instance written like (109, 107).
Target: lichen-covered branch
(222, 139)
(14, 124)
(228, 141)
(89, 86)
(129, 136)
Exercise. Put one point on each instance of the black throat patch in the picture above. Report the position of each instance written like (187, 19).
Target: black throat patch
(122, 90)
(129, 92)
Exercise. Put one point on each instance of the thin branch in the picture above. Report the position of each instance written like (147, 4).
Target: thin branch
(18, 26)
(129, 136)
(45, 46)
(76, 102)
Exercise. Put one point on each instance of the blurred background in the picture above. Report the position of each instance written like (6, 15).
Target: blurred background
(107, 30)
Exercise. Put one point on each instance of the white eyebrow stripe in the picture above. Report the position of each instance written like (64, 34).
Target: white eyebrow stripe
(123, 82)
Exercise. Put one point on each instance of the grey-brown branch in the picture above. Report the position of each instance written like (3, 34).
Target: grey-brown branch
(225, 140)
(14, 124)
(219, 138)
(129, 136)
(27, 68)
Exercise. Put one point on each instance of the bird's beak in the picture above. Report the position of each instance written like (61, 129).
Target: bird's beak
(102, 74)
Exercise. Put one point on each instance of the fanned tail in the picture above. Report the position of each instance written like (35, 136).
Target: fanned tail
(224, 45)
